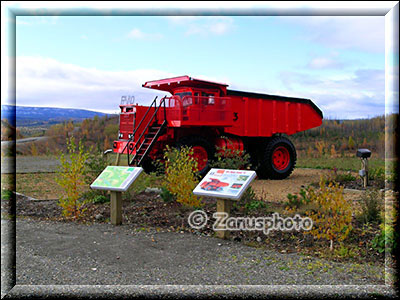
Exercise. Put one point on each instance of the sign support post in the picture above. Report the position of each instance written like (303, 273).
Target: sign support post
(116, 208)
(117, 159)
(223, 206)
(366, 172)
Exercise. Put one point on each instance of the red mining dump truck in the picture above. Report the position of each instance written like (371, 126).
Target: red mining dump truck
(208, 117)
(213, 185)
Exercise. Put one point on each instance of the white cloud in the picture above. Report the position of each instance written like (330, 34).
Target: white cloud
(181, 19)
(138, 34)
(365, 33)
(204, 26)
(48, 82)
(358, 95)
(324, 63)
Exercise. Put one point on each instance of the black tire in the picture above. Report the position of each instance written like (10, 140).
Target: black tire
(193, 141)
(148, 166)
(267, 168)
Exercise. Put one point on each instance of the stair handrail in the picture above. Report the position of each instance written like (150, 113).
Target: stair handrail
(144, 117)
(162, 101)
(152, 141)
(148, 123)
(135, 129)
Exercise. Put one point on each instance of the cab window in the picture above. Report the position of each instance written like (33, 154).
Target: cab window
(185, 97)
(207, 98)
(183, 94)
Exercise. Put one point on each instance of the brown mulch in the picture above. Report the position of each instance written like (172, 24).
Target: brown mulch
(148, 211)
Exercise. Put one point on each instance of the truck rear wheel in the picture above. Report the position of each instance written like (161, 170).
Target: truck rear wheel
(148, 166)
(278, 160)
(203, 151)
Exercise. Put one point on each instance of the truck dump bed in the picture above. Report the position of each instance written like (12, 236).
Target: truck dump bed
(266, 115)
(237, 112)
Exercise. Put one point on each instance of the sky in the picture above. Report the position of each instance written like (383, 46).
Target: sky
(91, 61)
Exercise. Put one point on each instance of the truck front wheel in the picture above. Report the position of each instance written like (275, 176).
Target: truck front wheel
(203, 151)
(278, 160)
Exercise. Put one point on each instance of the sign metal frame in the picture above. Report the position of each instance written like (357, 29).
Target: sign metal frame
(127, 175)
(225, 183)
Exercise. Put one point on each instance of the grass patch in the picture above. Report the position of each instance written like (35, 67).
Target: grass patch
(39, 185)
(340, 163)
(6, 195)
(7, 181)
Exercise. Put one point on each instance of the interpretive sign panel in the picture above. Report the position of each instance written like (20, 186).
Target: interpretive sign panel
(224, 183)
(116, 178)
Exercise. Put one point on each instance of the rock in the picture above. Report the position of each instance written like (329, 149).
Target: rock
(259, 239)
(98, 217)
(153, 190)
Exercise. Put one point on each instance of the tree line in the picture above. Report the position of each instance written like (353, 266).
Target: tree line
(333, 137)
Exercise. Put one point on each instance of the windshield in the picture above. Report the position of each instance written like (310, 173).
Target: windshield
(183, 94)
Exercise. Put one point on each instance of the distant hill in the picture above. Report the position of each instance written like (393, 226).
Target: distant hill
(34, 116)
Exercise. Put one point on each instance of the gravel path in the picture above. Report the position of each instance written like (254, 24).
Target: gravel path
(69, 260)
(25, 140)
(101, 254)
(29, 164)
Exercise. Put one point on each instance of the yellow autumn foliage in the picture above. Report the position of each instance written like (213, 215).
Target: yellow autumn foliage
(71, 178)
(180, 175)
(333, 215)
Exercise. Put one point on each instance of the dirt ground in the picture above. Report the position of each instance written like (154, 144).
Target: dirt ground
(277, 190)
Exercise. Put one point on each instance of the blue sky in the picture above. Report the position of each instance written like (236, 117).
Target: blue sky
(90, 61)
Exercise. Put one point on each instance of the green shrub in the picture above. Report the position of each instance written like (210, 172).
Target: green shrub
(294, 201)
(159, 167)
(6, 194)
(140, 184)
(250, 202)
(231, 159)
(345, 252)
(386, 239)
(334, 176)
(371, 205)
(255, 205)
(392, 173)
(345, 177)
(95, 164)
(99, 199)
(377, 174)
(166, 195)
